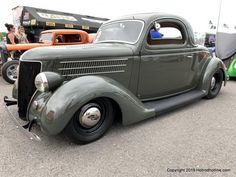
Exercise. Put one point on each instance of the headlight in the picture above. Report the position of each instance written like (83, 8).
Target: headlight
(48, 81)
(235, 66)
(41, 82)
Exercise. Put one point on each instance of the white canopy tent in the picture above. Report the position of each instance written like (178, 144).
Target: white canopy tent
(226, 31)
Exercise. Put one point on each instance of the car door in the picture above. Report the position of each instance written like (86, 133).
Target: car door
(166, 63)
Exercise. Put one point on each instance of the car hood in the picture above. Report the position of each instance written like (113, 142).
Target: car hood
(78, 52)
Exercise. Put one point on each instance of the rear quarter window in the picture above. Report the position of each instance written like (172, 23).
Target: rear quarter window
(171, 34)
(68, 38)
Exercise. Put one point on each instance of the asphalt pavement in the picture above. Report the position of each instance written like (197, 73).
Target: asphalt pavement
(196, 140)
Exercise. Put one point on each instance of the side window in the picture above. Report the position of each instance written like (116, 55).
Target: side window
(166, 33)
(171, 33)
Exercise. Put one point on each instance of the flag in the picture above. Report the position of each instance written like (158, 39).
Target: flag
(211, 25)
(226, 26)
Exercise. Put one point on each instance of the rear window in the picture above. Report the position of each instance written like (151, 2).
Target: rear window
(68, 38)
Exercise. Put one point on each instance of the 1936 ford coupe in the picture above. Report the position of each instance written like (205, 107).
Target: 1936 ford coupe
(127, 71)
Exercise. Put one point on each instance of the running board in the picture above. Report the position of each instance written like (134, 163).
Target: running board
(165, 105)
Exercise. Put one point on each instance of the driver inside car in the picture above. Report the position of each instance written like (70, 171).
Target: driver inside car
(59, 39)
(154, 32)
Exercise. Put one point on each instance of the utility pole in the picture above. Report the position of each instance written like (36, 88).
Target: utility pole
(218, 23)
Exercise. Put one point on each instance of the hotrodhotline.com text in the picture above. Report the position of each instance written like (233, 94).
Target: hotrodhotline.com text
(192, 170)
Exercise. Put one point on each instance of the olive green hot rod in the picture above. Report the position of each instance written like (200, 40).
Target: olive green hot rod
(138, 66)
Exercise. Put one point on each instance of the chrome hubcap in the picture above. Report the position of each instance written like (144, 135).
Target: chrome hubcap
(90, 117)
(12, 72)
(213, 83)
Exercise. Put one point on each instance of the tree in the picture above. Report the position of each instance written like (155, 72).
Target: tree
(1, 36)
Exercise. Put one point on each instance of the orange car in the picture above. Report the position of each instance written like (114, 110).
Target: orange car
(47, 38)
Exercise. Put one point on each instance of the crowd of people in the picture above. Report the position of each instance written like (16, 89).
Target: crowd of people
(15, 37)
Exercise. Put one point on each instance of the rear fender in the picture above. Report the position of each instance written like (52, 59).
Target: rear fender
(214, 65)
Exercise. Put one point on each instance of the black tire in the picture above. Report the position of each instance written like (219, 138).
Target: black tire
(9, 72)
(214, 89)
(80, 134)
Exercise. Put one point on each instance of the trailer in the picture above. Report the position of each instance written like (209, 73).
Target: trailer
(36, 20)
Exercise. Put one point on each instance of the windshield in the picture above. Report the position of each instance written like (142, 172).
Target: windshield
(123, 31)
(45, 38)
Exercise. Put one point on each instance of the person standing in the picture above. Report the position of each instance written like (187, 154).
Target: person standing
(154, 32)
(22, 38)
(11, 37)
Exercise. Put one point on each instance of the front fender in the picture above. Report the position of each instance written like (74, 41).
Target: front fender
(67, 99)
(213, 65)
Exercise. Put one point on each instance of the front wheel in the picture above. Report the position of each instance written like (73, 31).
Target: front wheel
(91, 121)
(215, 85)
(9, 71)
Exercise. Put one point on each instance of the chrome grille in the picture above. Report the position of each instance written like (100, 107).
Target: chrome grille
(26, 88)
(87, 67)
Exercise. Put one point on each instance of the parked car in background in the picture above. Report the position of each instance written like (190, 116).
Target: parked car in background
(47, 38)
(125, 73)
(210, 41)
(207, 39)
(231, 71)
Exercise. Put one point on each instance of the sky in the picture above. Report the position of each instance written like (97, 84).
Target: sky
(197, 12)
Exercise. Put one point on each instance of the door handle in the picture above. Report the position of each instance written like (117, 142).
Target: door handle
(189, 56)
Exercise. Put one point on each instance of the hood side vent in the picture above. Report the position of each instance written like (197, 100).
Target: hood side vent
(78, 68)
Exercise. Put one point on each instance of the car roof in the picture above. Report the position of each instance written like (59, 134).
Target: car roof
(147, 17)
(70, 31)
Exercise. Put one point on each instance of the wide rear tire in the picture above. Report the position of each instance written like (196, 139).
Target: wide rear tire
(215, 84)
(91, 121)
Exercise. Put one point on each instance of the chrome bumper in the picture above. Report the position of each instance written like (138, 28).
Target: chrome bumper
(25, 128)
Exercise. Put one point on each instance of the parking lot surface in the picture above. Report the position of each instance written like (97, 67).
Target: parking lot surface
(196, 140)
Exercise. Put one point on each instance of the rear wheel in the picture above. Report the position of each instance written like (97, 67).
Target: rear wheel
(215, 85)
(9, 71)
(91, 121)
